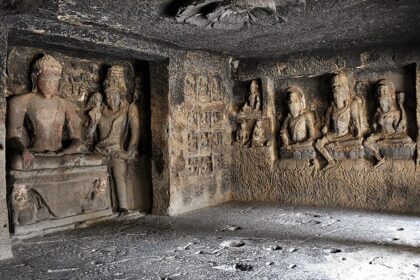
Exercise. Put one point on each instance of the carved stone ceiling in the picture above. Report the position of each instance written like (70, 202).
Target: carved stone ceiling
(244, 28)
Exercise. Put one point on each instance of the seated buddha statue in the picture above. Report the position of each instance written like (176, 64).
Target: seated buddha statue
(390, 122)
(298, 129)
(37, 121)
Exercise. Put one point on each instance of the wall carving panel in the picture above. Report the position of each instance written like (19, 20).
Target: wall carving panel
(205, 117)
(73, 131)
(367, 118)
(336, 137)
(199, 132)
(253, 128)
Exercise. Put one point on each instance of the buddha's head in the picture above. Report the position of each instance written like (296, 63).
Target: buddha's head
(295, 100)
(46, 76)
(114, 87)
(386, 95)
(341, 89)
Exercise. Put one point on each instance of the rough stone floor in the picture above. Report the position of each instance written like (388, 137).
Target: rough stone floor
(279, 243)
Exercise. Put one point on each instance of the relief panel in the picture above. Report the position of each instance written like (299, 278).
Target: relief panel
(69, 122)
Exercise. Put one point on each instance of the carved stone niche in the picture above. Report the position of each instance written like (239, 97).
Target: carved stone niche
(362, 115)
(249, 107)
(391, 113)
(57, 172)
(298, 109)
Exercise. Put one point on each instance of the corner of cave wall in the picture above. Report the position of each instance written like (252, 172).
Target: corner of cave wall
(200, 142)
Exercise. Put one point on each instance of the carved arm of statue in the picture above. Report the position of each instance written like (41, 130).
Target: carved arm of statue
(15, 128)
(356, 111)
(73, 126)
(402, 124)
(310, 126)
(284, 133)
(326, 126)
(375, 121)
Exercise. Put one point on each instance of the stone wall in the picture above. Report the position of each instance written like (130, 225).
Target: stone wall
(199, 133)
(159, 104)
(265, 173)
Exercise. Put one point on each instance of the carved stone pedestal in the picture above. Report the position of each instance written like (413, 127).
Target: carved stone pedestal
(308, 153)
(398, 151)
(346, 152)
(49, 198)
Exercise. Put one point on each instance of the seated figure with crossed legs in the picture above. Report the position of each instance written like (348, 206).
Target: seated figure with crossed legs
(298, 130)
(390, 123)
(344, 126)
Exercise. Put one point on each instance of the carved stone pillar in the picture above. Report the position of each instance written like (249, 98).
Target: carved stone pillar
(160, 136)
(5, 242)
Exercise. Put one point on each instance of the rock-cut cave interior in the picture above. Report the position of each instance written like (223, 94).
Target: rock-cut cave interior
(209, 139)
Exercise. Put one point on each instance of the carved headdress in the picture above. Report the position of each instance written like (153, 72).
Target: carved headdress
(389, 85)
(298, 91)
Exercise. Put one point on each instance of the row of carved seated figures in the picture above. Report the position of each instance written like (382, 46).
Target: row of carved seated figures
(345, 133)
(61, 181)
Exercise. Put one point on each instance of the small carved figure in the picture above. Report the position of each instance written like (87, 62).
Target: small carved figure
(91, 77)
(217, 140)
(192, 141)
(118, 120)
(215, 89)
(96, 198)
(205, 120)
(258, 135)
(242, 134)
(344, 124)
(37, 120)
(202, 89)
(219, 161)
(94, 107)
(205, 166)
(192, 167)
(190, 86)
(192, 119)
(217, 118)
(204, 140)
(390, 122)
(28, 206)
(253, 103)
(76, 80)
(298, 130)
